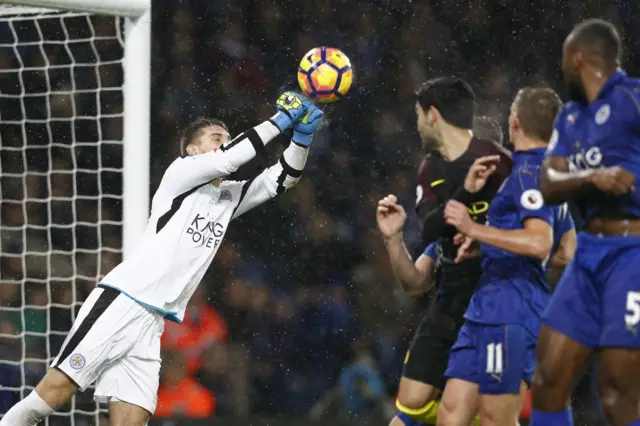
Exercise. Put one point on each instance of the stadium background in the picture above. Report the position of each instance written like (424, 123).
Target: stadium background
(300, 317)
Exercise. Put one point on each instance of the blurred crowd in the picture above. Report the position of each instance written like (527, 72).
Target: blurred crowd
(300, 313)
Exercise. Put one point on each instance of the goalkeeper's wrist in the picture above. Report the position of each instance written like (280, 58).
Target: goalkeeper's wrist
(302, 138)
(281, 120)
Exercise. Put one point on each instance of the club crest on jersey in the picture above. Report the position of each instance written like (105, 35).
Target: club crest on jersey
(603, 114)
(531, 199)
(77, 361)
(225, 195)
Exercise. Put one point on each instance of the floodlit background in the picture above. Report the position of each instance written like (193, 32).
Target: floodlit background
(301, 297)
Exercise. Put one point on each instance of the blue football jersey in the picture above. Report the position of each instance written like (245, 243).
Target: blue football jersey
(603, 133)
(431, 251)
(513, 289)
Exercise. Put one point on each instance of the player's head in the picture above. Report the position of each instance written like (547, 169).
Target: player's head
(203, 135)
(485, 127)
(444, 101)
(532, 115)
(591, 50)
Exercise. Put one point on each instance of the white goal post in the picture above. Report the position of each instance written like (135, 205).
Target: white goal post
(75, 93)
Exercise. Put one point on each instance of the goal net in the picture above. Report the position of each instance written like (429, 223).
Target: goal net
(61, 170)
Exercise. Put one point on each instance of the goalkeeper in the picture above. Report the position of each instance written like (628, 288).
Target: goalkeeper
(115, 340)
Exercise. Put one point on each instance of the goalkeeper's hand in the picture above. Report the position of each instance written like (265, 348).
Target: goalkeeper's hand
(291, 107)
(304, 129)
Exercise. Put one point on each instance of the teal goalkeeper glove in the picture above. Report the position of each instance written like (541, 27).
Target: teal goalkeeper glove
(304, 129)
(291, 107)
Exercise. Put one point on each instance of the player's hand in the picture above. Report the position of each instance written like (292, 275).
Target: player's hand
(613, 180)
(467, 249)
(456, 214)
(390, 216)
(291, 106)
(305, 127)
(480, 171)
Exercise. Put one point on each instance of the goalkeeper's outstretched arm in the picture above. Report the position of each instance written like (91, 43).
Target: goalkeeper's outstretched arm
(287, 171)
(194, 170)
(283, 175)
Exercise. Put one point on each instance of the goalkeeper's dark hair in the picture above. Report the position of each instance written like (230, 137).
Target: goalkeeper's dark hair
(453, 97)
(488, 128)
(193, 130)
(537, 109)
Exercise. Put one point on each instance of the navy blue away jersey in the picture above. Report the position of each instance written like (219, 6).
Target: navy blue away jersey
(604, 133)
(513, 288)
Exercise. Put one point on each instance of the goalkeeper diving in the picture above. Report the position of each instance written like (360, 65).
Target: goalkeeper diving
(115, 340)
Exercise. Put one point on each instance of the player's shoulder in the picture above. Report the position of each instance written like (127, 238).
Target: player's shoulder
(483, 147)
(627, 92)
(568, 109)
(427, 162)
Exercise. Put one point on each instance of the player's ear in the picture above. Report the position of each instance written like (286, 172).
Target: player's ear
(577, 60)
(191, 150)
(433, 116)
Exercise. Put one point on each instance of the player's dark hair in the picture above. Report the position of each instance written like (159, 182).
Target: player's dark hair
(453, 97)
(485, 127)
(537, 109)
(600, 40)
(193, 130)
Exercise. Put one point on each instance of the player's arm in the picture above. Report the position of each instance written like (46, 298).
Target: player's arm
(416, 277)
(559, 183)
(187, 173)
(565, 251)
(286, 173)
(568, 242)
(484, 188)
(535, 239)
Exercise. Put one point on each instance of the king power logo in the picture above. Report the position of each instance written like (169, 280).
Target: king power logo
(205, 232)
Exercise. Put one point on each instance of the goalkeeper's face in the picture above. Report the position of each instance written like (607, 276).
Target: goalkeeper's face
(209, 139)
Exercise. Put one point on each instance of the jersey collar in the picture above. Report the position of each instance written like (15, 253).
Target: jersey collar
(616, 78)
(524, 155)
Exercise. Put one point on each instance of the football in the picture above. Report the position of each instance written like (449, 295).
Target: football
(325, 74)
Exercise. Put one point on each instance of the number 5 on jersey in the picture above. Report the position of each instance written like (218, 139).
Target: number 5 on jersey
(632, 318)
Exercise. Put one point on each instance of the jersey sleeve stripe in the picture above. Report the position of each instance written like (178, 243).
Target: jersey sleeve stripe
(257, 143)
(287, 170)
(233, 143)
(175, 206)
(243, 193)
(254, 138)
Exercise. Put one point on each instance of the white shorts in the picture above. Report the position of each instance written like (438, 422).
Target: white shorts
(114, 342)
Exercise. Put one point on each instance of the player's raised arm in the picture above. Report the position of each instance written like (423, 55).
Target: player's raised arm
(415, 277)
(287, 171)
(208, 154)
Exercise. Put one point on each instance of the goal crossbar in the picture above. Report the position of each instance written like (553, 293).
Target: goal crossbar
(124, 8)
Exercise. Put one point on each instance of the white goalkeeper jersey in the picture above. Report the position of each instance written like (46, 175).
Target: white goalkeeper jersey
(190, 216)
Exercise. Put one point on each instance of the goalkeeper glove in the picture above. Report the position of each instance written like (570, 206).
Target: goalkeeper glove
(291, 106)
(304, 129)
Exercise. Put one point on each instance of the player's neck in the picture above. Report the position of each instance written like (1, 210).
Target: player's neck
(525, 144)
(594, 84)
(454, 142)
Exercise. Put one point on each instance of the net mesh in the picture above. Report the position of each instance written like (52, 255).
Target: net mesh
(61, 110)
